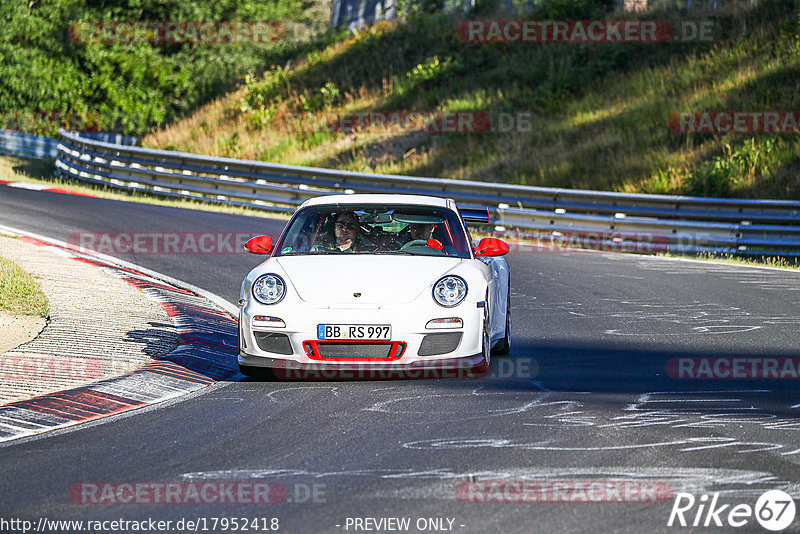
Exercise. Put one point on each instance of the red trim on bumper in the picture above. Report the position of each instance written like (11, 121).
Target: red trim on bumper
(396, 350)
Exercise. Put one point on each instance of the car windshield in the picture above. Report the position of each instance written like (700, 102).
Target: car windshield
(375, 229)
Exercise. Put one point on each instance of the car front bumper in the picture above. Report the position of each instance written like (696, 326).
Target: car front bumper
(464, 367)
(411, 349)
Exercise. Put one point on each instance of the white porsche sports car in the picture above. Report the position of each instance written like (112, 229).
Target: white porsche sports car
(375, 283)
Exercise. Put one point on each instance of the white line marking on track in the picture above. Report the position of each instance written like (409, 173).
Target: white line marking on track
(28, 185)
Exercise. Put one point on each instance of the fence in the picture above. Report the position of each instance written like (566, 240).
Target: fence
(675, 223)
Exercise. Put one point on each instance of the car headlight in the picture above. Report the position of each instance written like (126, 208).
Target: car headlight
(269, 289)
(449, 291)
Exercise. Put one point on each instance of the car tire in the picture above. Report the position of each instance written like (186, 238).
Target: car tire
(257, 372)
(247, 370)
(486, 346)
(504, 345)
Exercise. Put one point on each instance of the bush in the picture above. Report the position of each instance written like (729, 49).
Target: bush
(132, 86)
(722, 175)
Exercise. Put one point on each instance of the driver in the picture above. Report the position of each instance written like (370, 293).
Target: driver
(345, 236)
(346, 229)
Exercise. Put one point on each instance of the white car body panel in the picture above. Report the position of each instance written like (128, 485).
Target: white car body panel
(369, 275)
(394, 290)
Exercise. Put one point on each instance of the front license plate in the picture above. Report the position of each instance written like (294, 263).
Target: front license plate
(354, 331)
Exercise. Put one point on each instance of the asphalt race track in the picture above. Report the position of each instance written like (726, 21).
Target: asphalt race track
(589, 394)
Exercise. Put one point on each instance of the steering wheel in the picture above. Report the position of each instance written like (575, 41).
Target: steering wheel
(415, 243)
(425, 247)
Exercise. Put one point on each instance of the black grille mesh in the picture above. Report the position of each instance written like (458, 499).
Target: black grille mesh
(434, 344)
(273, 342)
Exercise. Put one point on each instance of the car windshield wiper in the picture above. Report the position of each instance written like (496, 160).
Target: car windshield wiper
(313, 252)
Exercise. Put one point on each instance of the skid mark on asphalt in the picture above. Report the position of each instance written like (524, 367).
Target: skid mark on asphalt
(660, 317)
(680, 445)
(420, 404)
(703, 410)
(680, 410)
(763, 279)
(709, 410)
(729, 399)
(334, 390)
(442, 483)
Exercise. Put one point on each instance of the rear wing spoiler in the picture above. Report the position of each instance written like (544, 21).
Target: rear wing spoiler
(476, 215)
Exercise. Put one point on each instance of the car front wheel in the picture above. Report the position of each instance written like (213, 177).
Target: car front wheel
(264, 373)
(487, 343)
(504, 345)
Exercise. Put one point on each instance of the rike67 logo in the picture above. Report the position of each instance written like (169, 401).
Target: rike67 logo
(774, 510)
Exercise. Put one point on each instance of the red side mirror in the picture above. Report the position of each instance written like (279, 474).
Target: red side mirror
(490, 246)
(260, 244)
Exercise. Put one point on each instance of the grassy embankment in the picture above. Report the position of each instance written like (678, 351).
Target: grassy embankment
(601, 110)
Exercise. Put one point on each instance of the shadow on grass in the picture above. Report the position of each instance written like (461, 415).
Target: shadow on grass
(39, 169)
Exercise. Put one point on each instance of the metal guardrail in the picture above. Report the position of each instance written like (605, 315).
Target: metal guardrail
(26, 145)
(559, 216)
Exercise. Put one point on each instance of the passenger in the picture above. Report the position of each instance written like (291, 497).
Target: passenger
(421, 232)
(424, 232)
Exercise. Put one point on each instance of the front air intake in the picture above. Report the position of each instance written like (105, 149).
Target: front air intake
(273, 342)
(435, 344)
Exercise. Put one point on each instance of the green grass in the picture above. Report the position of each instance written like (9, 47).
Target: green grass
(600, 111)
(20, 293)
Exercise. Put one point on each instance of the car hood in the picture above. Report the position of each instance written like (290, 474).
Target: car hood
(335, 280)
